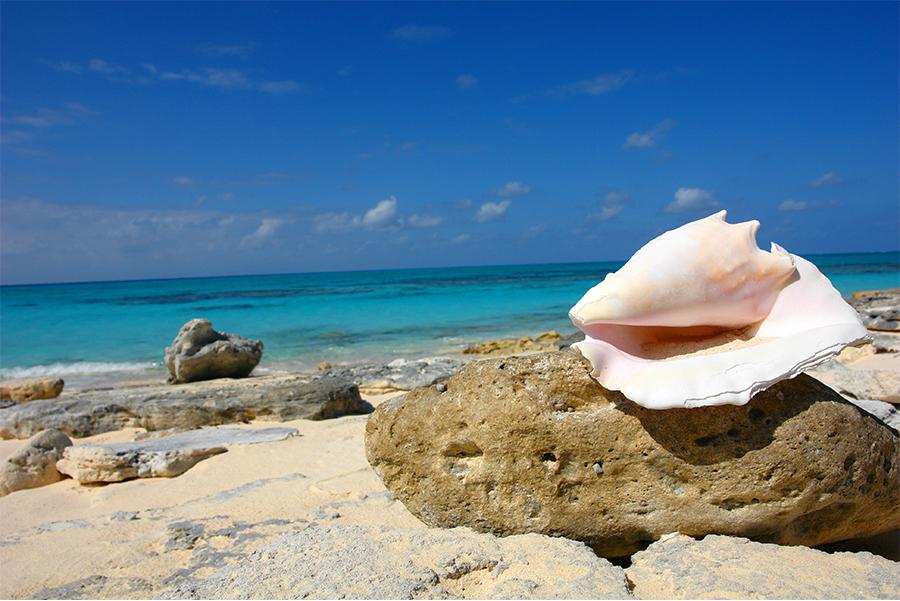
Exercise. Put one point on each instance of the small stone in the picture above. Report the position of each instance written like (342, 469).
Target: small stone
(34, 464)
(325, 366)
(598, 469)
(23, 391)
(441, 387)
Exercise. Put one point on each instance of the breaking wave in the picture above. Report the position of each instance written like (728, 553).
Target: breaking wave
(74, 369)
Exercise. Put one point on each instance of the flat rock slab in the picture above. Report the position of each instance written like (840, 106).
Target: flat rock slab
(723, 567)
(165, 457)
(374, 562)
(186, 406)
(875, 384)
(534, 444)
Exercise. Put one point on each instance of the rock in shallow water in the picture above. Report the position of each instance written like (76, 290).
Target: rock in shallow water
(533, 444)
(201, 353)
(159, 407)
(34, 464)
(355, 562)
(880, 309)
(164, 457)
(723, 567)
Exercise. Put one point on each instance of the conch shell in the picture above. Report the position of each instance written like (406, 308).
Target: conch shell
(702, 316)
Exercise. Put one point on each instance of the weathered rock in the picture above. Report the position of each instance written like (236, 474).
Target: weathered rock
(164, 457)
(723, 567)
(354, 562)
(533, 444)
(158, 407)
(883, 411)
(510, 346)
(878, 384)
(880, 309)
(201, 353)
(24, 391)
(399, 374)
(34, 464)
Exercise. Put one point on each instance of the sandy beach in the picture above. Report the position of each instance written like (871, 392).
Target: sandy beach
(121, 530)
(138, 538)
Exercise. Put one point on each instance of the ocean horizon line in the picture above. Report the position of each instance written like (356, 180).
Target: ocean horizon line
(377, 270)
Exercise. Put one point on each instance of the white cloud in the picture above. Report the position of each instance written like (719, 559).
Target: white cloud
(98, 65)
(229, 79)
(649, 139)
(267, 228)
(491, 211)
(104, 242)
(183, 180)
(419, 33)
(335, 222)
(381, 214)
(794, 205)
(611, 205)
(511, 189)
(15, 136)
(597, 85)
(217, 78)
(826, 180)
(692, 199)
(424, 220)
(466, 81)
(461, 238)
(286, 86)
(378, 217)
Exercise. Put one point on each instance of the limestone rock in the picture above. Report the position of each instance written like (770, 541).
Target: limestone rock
(533, 444)
(400, 374)
(24, 391)
(164, 457)
(159, 406)
(510, 346)
(34, 464)
(880, 309)
(723, 567)
(201, 353)
(878, 384)
(883, 411)
(355, 562)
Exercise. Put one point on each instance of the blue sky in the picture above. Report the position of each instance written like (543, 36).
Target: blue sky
(170, 140)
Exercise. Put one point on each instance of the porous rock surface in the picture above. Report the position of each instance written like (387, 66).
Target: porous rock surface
(723, 567)
(164, 457)
(533, 444)
(23, 391)
(201, 353)
(160, 407)
(35, 463)
(880, 309)
(376, 562)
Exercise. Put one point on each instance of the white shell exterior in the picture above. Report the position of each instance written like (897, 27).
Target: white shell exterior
(667, 365)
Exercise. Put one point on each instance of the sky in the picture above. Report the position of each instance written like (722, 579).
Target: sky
(179, 139)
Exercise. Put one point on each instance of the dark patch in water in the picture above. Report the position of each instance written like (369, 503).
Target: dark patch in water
(219, 307)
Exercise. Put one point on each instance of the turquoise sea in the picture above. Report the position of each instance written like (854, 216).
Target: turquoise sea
(103, 328)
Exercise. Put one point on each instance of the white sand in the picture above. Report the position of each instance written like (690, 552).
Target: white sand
(63, 532)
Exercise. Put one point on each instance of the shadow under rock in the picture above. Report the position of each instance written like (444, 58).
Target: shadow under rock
(708, 435)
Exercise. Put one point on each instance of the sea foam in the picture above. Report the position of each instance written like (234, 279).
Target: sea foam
(74, 369)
